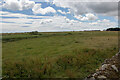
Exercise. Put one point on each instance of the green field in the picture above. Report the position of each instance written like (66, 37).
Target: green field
(56, 55)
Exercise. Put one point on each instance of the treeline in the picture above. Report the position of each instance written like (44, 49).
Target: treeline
(113, 29)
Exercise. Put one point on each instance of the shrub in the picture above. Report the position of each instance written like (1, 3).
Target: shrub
(34, 33)
(69, 33)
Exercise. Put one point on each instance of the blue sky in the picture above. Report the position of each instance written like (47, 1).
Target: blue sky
(49, 16)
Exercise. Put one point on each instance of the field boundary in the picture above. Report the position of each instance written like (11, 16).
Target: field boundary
(110, 69)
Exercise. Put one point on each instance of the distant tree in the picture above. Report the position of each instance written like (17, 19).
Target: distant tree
(33, 33)
(113, 29)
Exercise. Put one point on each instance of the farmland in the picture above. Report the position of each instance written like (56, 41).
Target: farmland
(56, 54)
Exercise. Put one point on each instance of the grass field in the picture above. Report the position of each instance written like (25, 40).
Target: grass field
(56, 55)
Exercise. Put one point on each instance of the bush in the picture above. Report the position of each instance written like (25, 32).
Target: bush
(70, 33)
(34, 33)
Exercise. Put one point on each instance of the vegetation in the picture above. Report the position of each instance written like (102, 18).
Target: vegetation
(113, 29)
(34, 33)
(56, 55)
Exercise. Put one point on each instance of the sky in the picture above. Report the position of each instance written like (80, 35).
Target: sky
(57, 15)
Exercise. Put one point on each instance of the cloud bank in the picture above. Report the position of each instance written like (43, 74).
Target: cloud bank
(18, 4)
(50, 23)
(78, 15)
(77, 7)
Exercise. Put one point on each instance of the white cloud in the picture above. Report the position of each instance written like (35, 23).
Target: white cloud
(69, 11)
(77, 7)
(84, 19)
(57, 23)
(93, 23)
(8, 14)
(104, 21)
(89, 17)
(19, 15)
(78, 17)
(38, 10)
(50, 23)
(80, 7)
(18, 4)
(60, 11)
(0, 2)
(45, 21)
(84, 0)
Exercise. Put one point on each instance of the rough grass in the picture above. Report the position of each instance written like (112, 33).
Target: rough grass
(58, 55)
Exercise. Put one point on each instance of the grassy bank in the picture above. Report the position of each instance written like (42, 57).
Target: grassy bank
(56, 55)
